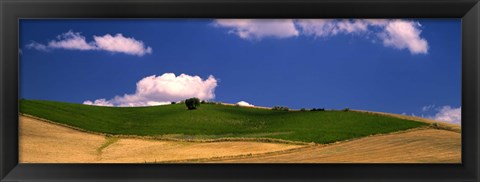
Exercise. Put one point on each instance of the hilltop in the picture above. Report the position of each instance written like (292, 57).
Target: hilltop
(217, 121)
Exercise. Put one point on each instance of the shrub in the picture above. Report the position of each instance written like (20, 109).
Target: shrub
(346, 109)
(173, 102)
(280, 108)
(203, 102)
(192, 103)
(303, 109)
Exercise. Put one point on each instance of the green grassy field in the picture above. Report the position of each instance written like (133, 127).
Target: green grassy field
(217, 121)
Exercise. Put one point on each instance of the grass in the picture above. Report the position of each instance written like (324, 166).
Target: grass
(217, 121)
(108, 141)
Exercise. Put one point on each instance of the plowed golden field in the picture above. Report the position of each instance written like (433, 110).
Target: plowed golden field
(44, 142)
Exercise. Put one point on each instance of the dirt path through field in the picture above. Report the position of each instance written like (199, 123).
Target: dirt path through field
(43, 142)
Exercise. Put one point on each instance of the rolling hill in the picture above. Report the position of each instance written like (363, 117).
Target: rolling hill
(214, 121)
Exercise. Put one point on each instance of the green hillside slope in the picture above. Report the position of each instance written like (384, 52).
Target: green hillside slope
(217, 121)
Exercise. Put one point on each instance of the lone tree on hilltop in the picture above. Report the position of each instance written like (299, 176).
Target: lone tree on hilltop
(192, 103)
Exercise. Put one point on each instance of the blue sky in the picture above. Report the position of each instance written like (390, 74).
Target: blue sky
(410, 66)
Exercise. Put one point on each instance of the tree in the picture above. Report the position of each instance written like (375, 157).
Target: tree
(192, 103)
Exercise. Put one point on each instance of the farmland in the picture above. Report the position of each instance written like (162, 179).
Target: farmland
(56, 132)
(45, 142)
(217, 121)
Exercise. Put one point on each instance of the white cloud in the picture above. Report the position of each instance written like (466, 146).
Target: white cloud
(395, 33)
(98, 102)
(119, 43)
(376, 22)
(331, 27)
(448, 114)
(317, 27)
(256, 29)
(75, 41)
(402, 34)
(399, 34)
(243, 103)
(72, 41)
(160, 90)
(351, 26)
(427, 108)
(37, 46)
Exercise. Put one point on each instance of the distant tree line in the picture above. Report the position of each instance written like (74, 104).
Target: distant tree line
(193, 103)
(280, 108)
(317, 109)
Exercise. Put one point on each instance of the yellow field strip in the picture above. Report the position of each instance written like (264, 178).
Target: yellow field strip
(418, 146)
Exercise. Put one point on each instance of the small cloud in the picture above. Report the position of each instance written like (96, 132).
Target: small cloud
(161, 90)
(98, 102)
(402, 34)
(427, 108)
(121, 44)
(71, 41)
(448, 114)
(37, 46)
(256, 29)
(155, 103)
(243, 103)
(75, 41)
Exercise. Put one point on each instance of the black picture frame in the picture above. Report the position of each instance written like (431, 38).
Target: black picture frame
(12, 10)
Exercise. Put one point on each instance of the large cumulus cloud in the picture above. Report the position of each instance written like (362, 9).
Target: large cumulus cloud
(163, 89)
